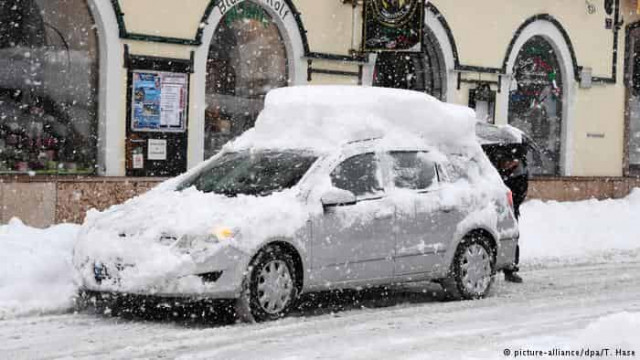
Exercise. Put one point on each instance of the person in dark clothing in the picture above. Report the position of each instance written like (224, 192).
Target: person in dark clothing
(511, 162)
(515, 175)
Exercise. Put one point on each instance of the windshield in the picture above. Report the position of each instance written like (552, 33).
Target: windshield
(252, 173)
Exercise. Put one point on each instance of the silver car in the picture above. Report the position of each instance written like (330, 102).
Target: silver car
(370, 214)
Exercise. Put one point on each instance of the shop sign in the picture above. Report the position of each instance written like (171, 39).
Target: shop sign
(157, 149)
(278, 6)
(159, 101)
(393, 25)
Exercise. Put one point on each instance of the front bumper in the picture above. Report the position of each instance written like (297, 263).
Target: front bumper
(215, 275)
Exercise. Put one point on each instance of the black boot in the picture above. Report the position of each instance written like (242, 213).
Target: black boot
(512, 276)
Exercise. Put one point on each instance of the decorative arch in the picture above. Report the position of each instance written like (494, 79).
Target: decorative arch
(560, 29)
(433, 16)
(440, 29)
(294, 37)
(440, 44)
(294, 12)
(553, 33)
(111, 132)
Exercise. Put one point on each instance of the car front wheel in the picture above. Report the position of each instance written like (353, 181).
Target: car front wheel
(269, 288)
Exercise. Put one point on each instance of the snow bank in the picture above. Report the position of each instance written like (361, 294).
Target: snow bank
(579, 230)
(326, 117)
(621, 330)
(601, 338)
(36, 274)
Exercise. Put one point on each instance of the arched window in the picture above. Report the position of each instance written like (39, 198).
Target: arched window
(247, 58)
(535, 102)
(423, 71)
(48, 86)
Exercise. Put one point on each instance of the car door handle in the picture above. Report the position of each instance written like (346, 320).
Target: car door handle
(383, 215)
(446, 209)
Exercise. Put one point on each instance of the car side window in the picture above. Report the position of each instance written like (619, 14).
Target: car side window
(358, 174)
(412, 170)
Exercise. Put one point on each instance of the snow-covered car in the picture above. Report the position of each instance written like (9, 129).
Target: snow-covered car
(335, 187)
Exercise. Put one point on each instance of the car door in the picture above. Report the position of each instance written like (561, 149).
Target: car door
(355, 243)
(421, 222)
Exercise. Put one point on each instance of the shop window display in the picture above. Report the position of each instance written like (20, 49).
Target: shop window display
(535, 103)
(419, 71)
(247, 58)
(48, 81)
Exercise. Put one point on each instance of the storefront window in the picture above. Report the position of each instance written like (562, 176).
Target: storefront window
(421, 71)
(535, 103)
(48, 82)
(247, 58)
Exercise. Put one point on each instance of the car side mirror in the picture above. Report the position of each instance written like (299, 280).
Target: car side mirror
(337, 197)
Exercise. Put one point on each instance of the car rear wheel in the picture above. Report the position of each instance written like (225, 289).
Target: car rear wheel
(472, 270)
(269, 288)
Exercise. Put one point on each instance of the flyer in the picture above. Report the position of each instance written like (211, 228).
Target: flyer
(159, 101)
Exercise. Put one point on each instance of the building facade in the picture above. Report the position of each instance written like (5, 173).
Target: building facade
(118, 90)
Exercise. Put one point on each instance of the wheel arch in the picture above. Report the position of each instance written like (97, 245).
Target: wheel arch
(481, 231)
(484, 234)
(287, 246)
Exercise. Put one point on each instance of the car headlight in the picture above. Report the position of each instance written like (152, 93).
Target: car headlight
(223, 233)
(202, 242)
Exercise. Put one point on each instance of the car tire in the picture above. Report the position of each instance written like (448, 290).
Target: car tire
(269, 289)
(472, 270)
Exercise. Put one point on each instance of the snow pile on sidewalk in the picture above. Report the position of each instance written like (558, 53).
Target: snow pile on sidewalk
(580, 230)
(600, 338)
(35, 268)
(621, 330)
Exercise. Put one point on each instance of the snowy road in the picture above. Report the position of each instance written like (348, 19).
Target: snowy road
(550, 310)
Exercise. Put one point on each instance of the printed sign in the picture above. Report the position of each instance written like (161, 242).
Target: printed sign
(159, 101)
(278, 6)
(138, 161)
(157, 149)
(393, 25)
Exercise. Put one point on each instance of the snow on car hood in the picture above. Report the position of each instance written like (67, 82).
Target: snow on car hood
(139, 237)
(191, 212)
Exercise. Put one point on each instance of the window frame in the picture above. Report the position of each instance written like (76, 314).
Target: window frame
(380, 174)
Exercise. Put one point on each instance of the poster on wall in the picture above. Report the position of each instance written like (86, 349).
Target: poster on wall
(159, 101)
(393, 25)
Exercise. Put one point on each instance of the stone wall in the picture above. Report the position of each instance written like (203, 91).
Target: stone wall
(41, 202)
(581, 188)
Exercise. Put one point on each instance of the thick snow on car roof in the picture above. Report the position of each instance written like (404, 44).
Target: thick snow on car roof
(325, 117)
